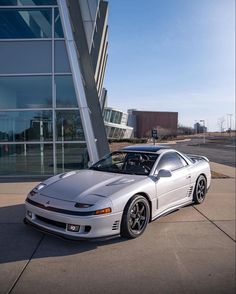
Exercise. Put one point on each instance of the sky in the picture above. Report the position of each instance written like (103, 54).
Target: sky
(173, 55)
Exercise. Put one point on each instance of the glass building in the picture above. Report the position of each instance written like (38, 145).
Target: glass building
(116, 124)
(53, 56)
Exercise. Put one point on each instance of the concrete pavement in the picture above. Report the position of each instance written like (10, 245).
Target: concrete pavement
(189, 251)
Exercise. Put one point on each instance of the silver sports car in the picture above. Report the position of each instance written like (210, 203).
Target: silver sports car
(119, 194)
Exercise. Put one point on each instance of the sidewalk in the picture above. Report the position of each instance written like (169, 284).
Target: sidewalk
(189, 251)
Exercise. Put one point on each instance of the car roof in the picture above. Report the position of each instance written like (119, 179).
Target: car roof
(146, 148)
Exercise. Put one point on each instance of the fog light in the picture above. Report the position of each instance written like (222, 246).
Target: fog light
(29, 213)
(73, 228)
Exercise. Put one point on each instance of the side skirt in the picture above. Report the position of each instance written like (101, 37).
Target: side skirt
(171, 209)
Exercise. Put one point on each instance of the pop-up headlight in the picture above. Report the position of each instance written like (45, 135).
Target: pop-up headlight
(37, 189)
(66, 175)
(83, 205)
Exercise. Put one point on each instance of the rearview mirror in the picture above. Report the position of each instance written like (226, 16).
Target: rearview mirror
(164, 173)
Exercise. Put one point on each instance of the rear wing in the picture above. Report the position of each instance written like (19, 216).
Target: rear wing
(197, 157)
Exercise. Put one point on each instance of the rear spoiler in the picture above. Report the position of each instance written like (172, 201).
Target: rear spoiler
(198, 157)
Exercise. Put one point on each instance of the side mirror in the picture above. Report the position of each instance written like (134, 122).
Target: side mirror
(164, 173)
(90, 163)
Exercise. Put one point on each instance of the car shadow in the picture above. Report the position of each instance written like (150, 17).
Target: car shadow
(20, 242)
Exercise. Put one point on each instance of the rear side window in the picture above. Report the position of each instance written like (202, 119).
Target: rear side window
(171, 161)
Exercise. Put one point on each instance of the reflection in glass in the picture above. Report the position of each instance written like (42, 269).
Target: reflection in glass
(26, 57)
(26, 159)
(23, 126)
(112, 116)
(69, 126)
(25, 92)
(71, 157)
(27, 2)
(65, 93)
(57, 24)
(25, 23)
(61, 58)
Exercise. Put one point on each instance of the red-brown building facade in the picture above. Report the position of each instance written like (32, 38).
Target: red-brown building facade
(144, 121)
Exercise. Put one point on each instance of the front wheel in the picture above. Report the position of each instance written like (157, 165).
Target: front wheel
(200, 190)
(135, 218)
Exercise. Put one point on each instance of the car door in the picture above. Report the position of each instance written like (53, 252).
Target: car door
(173, 190)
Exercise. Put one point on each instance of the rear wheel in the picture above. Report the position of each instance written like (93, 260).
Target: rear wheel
(200, 190)
(135, 218)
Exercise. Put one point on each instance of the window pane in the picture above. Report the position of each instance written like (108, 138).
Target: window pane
(25, 23)
(18, 126)
(26, 159)
(58, 26)
(25, 92)
(170, 161)
(27, 2)
(25, 57)
(69, 126)
(61, 58)
(71, 157)
(65, 93)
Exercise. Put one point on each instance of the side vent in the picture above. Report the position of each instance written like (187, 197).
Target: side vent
(115, 226)
(190, 191)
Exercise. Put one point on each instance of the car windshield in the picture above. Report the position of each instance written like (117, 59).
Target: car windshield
(134, 163)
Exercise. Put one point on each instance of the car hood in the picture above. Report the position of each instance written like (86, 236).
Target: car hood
(88, 186)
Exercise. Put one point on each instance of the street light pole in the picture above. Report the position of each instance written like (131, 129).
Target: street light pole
(195, 126)
(204, 134)
(230, 118)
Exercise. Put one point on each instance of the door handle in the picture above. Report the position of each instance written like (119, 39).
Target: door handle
(188, 177)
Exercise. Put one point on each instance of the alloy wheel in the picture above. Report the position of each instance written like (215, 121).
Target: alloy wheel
(138, 217)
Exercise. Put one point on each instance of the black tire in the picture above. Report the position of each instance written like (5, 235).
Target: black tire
(135, 217)
(200, 190)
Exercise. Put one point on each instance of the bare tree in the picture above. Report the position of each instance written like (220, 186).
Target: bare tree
(184, 130)
(221, 121)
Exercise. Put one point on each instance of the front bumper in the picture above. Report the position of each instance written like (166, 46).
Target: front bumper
(95, 226)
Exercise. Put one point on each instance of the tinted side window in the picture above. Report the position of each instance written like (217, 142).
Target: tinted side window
(171, 161)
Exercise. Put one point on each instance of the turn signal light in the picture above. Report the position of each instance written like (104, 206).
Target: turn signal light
(103, 211)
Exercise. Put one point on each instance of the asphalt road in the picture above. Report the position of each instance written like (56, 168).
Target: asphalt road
(217, 149)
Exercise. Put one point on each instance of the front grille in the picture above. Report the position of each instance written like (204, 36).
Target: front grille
(115, 226)
(51, 222)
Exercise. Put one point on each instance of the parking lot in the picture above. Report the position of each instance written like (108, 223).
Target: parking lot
(220, 149)
(189, 251)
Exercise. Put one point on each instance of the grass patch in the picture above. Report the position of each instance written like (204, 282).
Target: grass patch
(215, 175)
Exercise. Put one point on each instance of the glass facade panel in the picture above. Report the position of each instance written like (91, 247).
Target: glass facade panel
(26, 57)
(26, 159)
(40, 126)
(69, 126)
(25, 23)
(24, 126)
(27, 2)
(25, 92)
(65, 93)
(57, 24)
(71, 157)
(61, 59)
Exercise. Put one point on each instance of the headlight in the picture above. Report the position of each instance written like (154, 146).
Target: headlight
(40, 186)
(37, 188)
(83, 205)
(65, 175)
